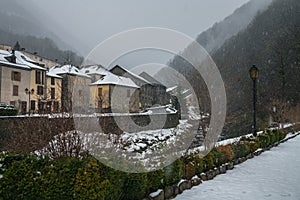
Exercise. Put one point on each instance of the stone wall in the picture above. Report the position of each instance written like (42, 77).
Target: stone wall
(136, 123)
(31, 133)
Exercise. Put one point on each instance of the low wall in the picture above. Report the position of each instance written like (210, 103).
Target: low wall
(31, 133)
(136, 123)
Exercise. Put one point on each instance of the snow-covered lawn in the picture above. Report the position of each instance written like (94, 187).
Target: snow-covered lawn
(275, 175)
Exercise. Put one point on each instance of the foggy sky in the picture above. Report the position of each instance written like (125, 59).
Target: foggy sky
(92, 21)
(84, 24)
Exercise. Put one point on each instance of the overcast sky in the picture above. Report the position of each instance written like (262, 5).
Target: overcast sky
(89, 22)
(92, 21)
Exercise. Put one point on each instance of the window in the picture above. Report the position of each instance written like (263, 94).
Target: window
(13, 103)
(56, 106)
(128, 93)
(41, 105)
(52, 93)
(15, 76)
(52, 81)
(40, 90)
(37, 77)
(43, 78)
(99, 92)
(15, 90)
(32, 105)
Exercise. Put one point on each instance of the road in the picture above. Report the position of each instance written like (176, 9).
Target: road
(274, 175)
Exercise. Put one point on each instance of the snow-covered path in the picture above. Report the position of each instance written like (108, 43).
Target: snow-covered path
(273, 175)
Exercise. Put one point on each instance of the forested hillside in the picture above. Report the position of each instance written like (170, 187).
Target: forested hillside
(272, 42)
(45, 47)
(214, 37)
(17, 24)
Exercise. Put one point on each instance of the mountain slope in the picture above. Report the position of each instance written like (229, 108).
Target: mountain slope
(271, 41)
(274, 46)
(216, 36)
(18, 23)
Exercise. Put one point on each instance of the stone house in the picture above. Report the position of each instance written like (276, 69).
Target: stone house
(75, 91)
(115, 94)
(146, 93)
(159, 94)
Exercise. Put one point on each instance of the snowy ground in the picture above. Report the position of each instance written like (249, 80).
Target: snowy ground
(273, 175)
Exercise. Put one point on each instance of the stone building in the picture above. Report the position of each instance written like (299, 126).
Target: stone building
(75, 92)
(114, 93)
(146, 93)
(159, 94)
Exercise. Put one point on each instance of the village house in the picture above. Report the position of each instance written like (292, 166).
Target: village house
(114, 93)
(47, 63)
(53, 92)
(146, 94)
(14, 78)
(34, 90)
(75, 91)
(159, 94)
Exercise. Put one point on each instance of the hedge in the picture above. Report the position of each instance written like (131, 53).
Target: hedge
(25, 176)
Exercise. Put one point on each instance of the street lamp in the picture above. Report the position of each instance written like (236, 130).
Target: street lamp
(254, 75)
(29, 92)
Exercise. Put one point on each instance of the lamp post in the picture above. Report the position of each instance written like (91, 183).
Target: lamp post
(29, 92)
(253, 72)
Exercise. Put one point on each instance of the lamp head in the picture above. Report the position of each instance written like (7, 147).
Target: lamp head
(253, 72)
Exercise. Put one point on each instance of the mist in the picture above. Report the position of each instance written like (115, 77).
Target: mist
(84, 24)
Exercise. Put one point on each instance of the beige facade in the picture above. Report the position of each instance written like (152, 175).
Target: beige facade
(114, 98)
(53, 93)
(38, 86)
(5, 47)
(99, 96)
(14, 79)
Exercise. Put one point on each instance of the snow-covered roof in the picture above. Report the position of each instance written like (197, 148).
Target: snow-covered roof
(171, 88)
(112, 79)
(67, 69)
(22, 59)
(3, 52)
(94, 69)
(51, 74)
(149, 78)
(131, 73)
(4, 61)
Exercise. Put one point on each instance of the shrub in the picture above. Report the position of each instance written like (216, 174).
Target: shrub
(199, 165)
(155, 180)
(189, 170)
(240, 149)
(263, 140)
(226, 153)
(135, 186)
(253, 146)
(209, 161)
(282, 135)
(89, 184)
(173, 172)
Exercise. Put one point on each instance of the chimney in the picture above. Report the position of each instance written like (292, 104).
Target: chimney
(12, 58)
